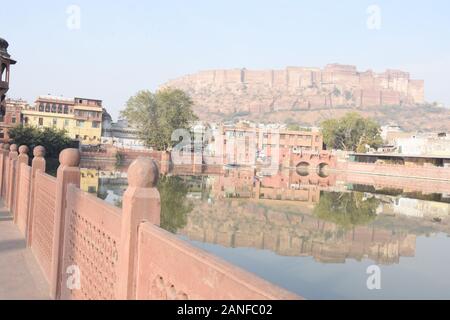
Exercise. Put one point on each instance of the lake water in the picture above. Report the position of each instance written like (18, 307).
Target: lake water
(315, 236)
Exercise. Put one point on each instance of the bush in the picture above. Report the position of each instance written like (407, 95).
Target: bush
(53, 140)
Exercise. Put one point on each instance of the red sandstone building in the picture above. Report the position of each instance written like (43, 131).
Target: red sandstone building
(243, 144)
(12, 117)
(6, 116)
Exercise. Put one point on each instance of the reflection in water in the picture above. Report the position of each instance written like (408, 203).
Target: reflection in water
(347, 209)
(241, 215)
(174, 205)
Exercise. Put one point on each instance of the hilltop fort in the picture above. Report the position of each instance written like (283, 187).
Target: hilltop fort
(298, 88)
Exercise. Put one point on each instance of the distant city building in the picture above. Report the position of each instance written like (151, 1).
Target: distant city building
(5, 63)
(81, 118)
(424, 145)
(388, 131)
(12, 117)
(120, 134)
(244, 143)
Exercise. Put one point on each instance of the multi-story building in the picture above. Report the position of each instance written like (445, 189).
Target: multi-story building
(81, 118)
(244, 143)
(5, 63)
(120, 134)
(424, 145)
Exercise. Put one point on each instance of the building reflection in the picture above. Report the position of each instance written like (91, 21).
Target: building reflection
(293, 231)
(328, 218)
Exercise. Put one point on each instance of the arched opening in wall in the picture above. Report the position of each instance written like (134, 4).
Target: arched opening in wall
(323, 170)
(3, 72)
(303, 169)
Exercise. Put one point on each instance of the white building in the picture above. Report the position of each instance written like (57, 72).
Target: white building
(120, 134)
(424, 145)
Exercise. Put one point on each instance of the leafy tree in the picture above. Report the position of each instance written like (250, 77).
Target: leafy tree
(336, 92)
(348, 95)
(158, 115)
(53, 140)
(346, 209)
(297, 127)
(119, 160)
(174, 207)
(293, 127)
(351, 133)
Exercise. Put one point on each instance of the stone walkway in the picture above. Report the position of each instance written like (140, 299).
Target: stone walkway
(20, 275)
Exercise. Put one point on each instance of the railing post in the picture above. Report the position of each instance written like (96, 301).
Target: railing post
(23, 158)
(5, 152)
(13, 155)
(38, 164)
(2, 164)
(68, 173)
(141, 202)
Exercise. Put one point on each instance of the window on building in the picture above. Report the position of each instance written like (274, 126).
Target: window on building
(41, 121)
(60, 108)
(55, 122)
(66, 123)
(92, 189)
(80, 124)
(41, 107)
(66, 109)
(47, 107)
(95, 124)
(54, 108)
(3, 71)
(13, 120)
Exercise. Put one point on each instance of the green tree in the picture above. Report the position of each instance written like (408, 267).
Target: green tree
(351, 133)
(158, 115)
(336, 92)
(120, 158)
(53, 140)
(346, 209)
(297, 127)
(174, 205)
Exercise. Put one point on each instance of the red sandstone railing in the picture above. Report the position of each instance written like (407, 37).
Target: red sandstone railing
(89, 249)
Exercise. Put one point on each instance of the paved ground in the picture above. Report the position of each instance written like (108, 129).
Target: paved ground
(20, 275)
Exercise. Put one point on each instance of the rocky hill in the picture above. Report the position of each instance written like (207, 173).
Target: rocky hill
(310, 95)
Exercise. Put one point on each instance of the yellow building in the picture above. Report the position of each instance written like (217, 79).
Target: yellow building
(81, 118)
(89, 179)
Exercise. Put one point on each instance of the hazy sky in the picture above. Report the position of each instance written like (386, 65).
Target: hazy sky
(125, 46)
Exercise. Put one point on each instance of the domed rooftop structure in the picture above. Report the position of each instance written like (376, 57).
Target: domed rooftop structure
(4, 51)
